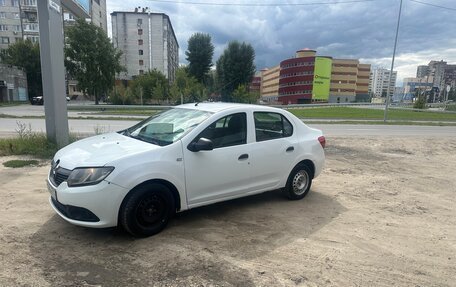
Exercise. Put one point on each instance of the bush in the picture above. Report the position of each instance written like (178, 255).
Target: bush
(121, 96)
(28, 143)
(36, 145)
(420, 103)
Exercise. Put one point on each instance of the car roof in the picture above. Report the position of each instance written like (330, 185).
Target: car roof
(221, 106)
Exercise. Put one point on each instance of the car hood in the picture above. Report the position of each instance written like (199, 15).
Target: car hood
(100, 150)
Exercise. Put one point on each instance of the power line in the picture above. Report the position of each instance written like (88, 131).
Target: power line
(433, 5)
(262, 4)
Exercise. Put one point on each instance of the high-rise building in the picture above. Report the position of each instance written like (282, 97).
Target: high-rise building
(147, 41)
(422, 71)
(19, 20)
(381, 81)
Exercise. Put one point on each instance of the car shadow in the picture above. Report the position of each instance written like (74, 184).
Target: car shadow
(195, 246)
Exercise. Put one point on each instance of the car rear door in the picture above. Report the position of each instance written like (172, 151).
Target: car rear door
(274, 150)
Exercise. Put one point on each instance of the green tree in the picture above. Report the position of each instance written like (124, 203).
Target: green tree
(235, 67)
(452, 94)
(153, 85)
(199, 56)
(187, 87)
(91, 59)
(26, 55)
(420, 102)
(242, 95)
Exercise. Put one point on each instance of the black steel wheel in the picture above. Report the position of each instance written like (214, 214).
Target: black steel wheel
(147, 210)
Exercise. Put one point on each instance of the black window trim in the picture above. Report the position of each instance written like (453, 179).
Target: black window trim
(282, 122)
(224, 123)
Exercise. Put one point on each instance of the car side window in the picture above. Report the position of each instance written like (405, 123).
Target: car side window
(227, 131)
(270, 126)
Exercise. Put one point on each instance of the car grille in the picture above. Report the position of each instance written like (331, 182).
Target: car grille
(58, 174)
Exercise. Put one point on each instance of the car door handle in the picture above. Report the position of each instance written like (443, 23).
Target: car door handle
(243, 156)
(290, 149)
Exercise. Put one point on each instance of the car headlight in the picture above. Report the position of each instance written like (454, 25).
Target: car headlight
(88, 175)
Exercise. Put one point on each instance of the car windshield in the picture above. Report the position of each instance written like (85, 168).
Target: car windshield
(166, 127)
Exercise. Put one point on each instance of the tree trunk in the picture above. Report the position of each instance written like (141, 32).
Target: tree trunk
(96, 97)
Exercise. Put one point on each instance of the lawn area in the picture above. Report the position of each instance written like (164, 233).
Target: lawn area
(370, 114)
(126, 111)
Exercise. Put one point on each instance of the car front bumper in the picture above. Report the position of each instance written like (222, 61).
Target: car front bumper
(90, 206)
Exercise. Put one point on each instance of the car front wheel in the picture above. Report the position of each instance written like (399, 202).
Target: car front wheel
(299, 182)
(147, 210)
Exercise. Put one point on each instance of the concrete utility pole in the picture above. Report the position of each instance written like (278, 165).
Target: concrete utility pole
(385, 117)
(53, 71)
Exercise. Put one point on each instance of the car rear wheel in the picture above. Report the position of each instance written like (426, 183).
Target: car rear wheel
(299, 182)
(147, 210)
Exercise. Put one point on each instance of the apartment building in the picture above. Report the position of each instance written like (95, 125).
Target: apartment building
(147, 41)
(380, 81)
(19, 20)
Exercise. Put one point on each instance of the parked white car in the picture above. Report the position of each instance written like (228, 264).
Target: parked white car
(182, 158)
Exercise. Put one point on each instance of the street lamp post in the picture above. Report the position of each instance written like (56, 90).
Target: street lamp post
(385, 116)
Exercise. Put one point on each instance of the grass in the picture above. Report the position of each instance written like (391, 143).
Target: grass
(350, 113)
(16, 163)
(126, 112)
(10, 104)
(451, 108)
(36, 145)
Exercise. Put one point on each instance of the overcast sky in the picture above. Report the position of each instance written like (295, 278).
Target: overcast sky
(360, 29)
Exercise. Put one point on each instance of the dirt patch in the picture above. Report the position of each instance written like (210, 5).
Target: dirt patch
(381, 214)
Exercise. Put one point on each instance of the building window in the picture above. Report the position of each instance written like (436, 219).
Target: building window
(3, 28)
(15, 3)
(141, 52)
(141, 72)
(31, 27)
(139, 22)
(18, 39)
(5, 40)
(2, 15)
(141, 62)
(34, 39)
(140, 41)
(2, 2)
(16, 28)
(16, 15)
(140, 31)
(29, 2)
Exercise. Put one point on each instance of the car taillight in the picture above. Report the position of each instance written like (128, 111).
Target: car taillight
(322, 141)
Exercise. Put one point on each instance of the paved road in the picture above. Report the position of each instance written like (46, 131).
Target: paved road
(9, 126)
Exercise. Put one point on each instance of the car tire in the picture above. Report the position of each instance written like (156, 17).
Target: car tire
(299, 182)
(147, 210)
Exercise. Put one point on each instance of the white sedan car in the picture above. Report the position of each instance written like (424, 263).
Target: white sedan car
(182, 158)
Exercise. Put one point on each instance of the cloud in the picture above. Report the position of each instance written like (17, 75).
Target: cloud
(363, 30)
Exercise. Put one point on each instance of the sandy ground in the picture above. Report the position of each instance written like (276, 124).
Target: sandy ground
(383, 213)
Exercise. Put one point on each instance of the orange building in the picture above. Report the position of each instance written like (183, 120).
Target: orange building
(349, 80)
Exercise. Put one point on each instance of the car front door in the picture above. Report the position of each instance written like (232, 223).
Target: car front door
(221, 173)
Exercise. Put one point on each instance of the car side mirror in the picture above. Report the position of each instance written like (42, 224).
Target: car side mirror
(201, 144)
